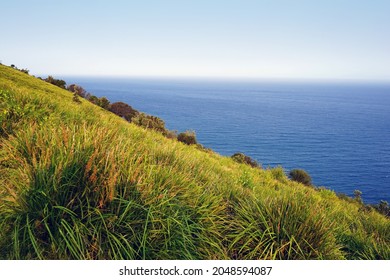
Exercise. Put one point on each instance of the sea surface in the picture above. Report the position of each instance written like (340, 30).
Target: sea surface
(338, 132)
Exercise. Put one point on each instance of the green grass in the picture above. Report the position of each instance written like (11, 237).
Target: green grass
(77, 182)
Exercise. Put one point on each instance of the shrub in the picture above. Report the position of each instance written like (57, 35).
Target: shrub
(93, 99)
(171, 134)
(101, 102)
(76, 98)
(123, 110)
(358, 196)
(56, 82)
(345, 197)
(204, 149)
(278, 174)
(25, 71)
(187, 137)
(301, 176)
(104, 102)
(383, 208)
(150, 122)
(78, 90)
(242, 158)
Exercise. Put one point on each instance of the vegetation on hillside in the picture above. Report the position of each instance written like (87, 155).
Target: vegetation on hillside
(78, 182)
(301, 176)
(118, 108)
(242, 158)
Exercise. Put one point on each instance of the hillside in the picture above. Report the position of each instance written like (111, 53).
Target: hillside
(78, 182)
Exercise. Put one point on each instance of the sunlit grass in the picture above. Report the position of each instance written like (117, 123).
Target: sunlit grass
(77, 182)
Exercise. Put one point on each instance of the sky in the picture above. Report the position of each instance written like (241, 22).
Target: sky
(257, 39)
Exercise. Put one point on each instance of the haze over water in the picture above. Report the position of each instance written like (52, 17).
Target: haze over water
(339, 133)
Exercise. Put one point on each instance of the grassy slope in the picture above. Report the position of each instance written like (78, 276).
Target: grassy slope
(77, 182)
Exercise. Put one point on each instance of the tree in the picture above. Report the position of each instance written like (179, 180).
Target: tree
(123, 110)
(78, 90)
(150, 122)
(93, 99)
(104, 103)
(56, 82)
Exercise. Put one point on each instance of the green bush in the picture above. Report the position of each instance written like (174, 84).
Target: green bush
(76, 98)
(301, 176)
(104, 102)
(358, 196)
(187, 137)
(171, 134)
(25, 71)
(57, 82)
(203, 148)
(278, 174)
(78, 90)
(242, 158)
(383, 208)
(150, 122)
(123, 110)
(345, 197)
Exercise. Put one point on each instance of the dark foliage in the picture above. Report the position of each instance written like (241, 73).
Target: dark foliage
(93, 99)
(170, 134)
(76, 98)
(202, 148)
(56, 82)
(104, 102)
(150, 122)
(25, 71)
(301, 176)
(101, 102)
(187, 137)
(77, 90)
(242, 158)
(383, 208)
(123, 110)
(345, 197)
(358, 196)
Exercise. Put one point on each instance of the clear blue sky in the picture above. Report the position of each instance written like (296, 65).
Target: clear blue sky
(314, 39)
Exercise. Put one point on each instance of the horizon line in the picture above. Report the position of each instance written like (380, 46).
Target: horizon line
(223, 78)
(226, 78)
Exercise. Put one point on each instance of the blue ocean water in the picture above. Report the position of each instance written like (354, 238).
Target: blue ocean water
(339, 133)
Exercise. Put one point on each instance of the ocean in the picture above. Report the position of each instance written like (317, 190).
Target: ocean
(338, 132)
